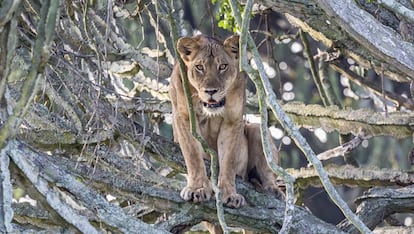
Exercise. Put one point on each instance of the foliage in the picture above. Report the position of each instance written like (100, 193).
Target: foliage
(224, 15)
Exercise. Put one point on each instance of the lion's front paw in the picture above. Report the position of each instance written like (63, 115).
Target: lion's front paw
(190, 193)
(234, 200)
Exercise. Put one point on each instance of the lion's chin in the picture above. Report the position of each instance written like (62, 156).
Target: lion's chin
(213, 108)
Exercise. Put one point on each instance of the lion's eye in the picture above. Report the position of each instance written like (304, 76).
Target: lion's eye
(222, 67)
(199, 68)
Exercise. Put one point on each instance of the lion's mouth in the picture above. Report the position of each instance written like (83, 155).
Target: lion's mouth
(213, 104)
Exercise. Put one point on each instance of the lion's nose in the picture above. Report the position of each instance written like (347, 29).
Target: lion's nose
(210, 91)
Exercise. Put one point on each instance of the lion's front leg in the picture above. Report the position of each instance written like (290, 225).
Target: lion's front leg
(233, 156)
(198, 188)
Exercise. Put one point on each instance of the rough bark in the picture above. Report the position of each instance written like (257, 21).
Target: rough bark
(160, 193)
(350, 28)
(391, 200)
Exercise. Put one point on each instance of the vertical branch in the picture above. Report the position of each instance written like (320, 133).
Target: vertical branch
(40, 53)
(6, 212)
(325, 88)
(289, 180)
(293, 131)
(213, 153)
(326, 83)
(315, 75)
(383, 90)
(9, 40)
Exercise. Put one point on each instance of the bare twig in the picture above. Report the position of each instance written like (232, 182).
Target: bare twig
(342, 149)
(374, 87)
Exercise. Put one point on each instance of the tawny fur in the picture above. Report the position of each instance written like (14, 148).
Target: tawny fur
(212, 69)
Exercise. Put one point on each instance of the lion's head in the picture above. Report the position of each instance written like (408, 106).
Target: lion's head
(212, 67)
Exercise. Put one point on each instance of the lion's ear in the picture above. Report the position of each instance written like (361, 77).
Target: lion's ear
(231, 45)
(187, 46)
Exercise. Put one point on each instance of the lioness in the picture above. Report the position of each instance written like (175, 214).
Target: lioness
(218, 96)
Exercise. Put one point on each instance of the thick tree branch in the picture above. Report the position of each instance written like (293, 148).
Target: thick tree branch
(391, 200)
(108, 213)
(52, 196)
(387, 44)
(364, 38)
(397, 124)
(353, 176)
(162, 194)
(400, 9)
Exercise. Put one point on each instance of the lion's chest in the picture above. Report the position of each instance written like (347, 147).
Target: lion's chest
(210, 129)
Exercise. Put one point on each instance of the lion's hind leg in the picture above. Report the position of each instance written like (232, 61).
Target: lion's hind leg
(258, 171)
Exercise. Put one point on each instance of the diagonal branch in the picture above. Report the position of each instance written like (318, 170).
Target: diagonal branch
(110, 214)
(289, 126)
(52, 196)
(41, 53)
(264, 213)
(400, 9)
(386, 45)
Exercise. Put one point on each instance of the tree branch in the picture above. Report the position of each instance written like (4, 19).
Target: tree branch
(40, 53)
(353, 176)
(52, 196)
(362, 26)
(372, 86)
(162, 194)
(265, 136)
(6, 191)
(289, 126)
(392, 201)
(398, 8)
(108, 213)
(329, 29)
